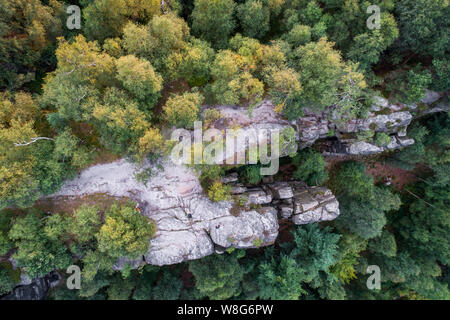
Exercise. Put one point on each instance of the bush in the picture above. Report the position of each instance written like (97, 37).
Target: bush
(417, 83)
(288, 143)
(441, 81)
(219, 192)
(310, 167)
(382, 139)
(210, 116)
(250, 174)
(6, 281)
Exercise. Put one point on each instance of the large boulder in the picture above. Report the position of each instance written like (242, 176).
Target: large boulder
(249, 229)
(313, 204)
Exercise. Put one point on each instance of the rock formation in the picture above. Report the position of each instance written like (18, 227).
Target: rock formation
(189, 225)
(36, 289)
(392, 119)
(294, 200)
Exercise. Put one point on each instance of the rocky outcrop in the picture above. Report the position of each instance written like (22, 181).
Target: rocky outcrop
(353, 135)
(263, 116)
(356, 137)
(35, 290)
(296, 201)
(189, 225)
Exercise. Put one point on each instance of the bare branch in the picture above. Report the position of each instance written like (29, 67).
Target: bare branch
(32, 140)
(416, 196)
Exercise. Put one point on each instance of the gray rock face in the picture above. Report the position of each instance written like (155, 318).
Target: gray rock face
(189, 225)
(249, 229)
(303, 204)
(233, 177)
(286, 210)
(383, 117)
(281, 190)
(263, 116)
(363, 148)
(313, 204)
(123, 262)
(430, 97)
(442, 105)
(185, 218)
(258, 196)
(238, 188)
(384, 123)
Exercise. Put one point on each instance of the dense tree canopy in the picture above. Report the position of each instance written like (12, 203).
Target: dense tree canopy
(137, 69)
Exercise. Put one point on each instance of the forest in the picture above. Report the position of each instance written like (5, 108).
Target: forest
(72, 98)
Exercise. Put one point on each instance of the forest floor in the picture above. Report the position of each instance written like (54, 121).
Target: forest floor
(380, 170)
(68, 204)
(383, 172)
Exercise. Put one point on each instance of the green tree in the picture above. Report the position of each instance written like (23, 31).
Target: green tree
(350, 247)
(139, 79)
(384, 244)
(86, 224)
(353, 181)
(7, 282)
(362, 204)
(310, 167)
(304, 262)
(106, 18)
(120, 288)
(146, 282)
(232, 84)
(162, 36)
(213, 21)
(441, 80)
(423, 26)
(168, 287)
(367, 47)
(280, 279)
(36, 252)
(182, 110)
(18, 177)
(151, 143)
(193, 63)
(81, 72)
(119, 121)
(299, 35)
(5, 224)
(326, 79)
(28, 31)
